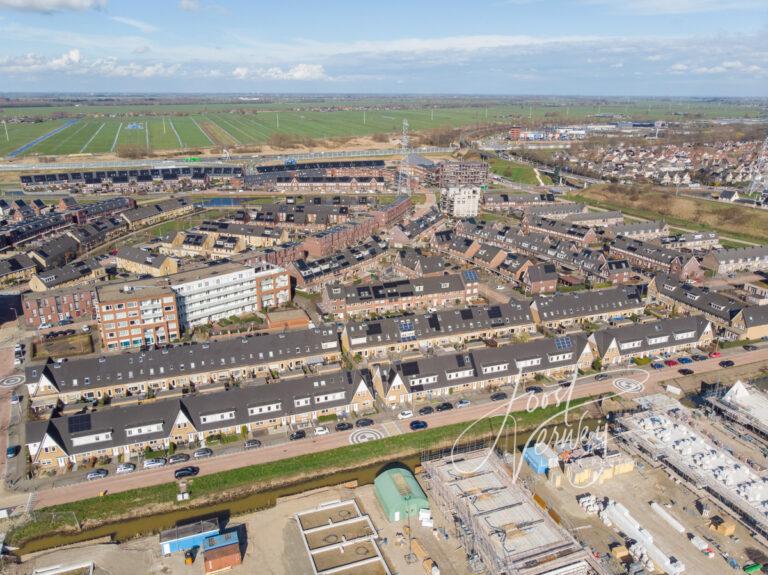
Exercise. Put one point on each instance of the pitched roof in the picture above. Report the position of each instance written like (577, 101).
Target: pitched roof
(577, 304)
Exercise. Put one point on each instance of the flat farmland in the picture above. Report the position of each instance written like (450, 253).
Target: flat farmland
(105, 129)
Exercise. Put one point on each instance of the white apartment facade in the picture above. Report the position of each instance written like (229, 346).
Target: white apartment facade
(213, 293)
(461, 202)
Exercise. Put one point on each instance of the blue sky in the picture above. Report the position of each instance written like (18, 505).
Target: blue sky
(578, 47)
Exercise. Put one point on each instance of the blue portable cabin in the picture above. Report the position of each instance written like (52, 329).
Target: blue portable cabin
(536, 458)
(185, 537)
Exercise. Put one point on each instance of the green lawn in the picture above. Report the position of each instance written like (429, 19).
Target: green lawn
(520, 173)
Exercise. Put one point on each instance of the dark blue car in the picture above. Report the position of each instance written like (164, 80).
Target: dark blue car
(417, 424)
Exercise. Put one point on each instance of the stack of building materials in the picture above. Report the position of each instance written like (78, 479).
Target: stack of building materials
(588, 503)
(703, 546)
(661, 512)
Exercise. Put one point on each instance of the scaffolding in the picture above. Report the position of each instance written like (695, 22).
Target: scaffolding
(502, 529)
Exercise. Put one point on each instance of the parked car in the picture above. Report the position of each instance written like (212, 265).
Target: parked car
(534, 389)
(714, 354)
(463, 403)
(685, 371)
(726, 363)
(657, 365)
(15, 399)
(252, 444)
(750, 347)
(155, 462)
(45, 325)
(670, 362)
(300, 434)
(364, 422)
(343, 426)
(178, 458)
(12, 451)
(85, 329)
(417, 424)
(445, 406)
(684, 360)
(97, 474)
(189, 471)
(601, 377)
(66, 322)
(498, 396)
(125, 468)
(699, 357)
(17, 360)
(405, 414)
(202, 452)
(322, 430)
(426, 410)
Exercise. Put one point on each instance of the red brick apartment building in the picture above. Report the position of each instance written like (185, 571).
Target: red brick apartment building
(53, 306)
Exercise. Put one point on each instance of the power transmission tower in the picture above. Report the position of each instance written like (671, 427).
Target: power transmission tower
(760, 174)
(404, 177)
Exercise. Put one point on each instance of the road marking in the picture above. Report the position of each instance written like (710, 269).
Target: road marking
(365, 435)
(88, 143)
(114, 142)
(13, 380)
(628, 385)
(391, 428)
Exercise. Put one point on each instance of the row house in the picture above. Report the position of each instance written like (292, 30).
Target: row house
(394, 335)
(150, 214)
(693, 241)
(55, 252)
(83, 214)
(647, 256)
(77, 303)
(327, 242)
(301, 215)
(503, 202)
(201, 245)
(568, 309)
(541, 279)
(580, 235)
(637, 230)
(430, 292)
(183, 366)
(413, 263)
(407, 382)
(751, 323)
(71, 274)
(388, 214)
(619, 345)
(553, 211)
(18, 268)
(252, 235)
(331, 184)
(682, 297)
(144, 263)
(124, 433)
(725, 261)
(17, 234)
(405, 234)
(97, 232)
(596, 219)
(343, 266)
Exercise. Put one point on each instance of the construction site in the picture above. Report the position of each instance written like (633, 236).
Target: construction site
(498, 522)
(743, 404)
(662, 435)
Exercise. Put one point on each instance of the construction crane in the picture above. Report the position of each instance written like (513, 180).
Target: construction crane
(759, 182)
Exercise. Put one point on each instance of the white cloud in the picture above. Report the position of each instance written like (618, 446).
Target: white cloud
(145, 27)
(52, 5)
(297, 72)
(189, 5)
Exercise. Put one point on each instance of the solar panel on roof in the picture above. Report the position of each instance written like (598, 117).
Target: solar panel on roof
(471, 276)
(410, 368)
(466, 314)
(79, 423)
(494, 312)
(563, 342)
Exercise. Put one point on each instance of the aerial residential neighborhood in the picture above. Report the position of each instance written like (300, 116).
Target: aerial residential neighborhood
(391, 290)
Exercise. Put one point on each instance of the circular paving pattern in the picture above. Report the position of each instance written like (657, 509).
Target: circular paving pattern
(627, 385)
(12, 381)
(365, 435)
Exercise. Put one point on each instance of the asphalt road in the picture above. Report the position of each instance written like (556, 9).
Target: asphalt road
(586, 387)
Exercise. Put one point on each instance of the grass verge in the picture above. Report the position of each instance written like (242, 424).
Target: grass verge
(237, 483)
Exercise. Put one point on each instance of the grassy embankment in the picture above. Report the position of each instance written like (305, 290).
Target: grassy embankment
(236, 483)
(738, 222)
(520, 173)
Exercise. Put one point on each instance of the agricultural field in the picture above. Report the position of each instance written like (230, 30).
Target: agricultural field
(121, 128)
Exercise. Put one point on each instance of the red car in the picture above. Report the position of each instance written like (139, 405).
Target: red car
(670, 362)
(714, 354)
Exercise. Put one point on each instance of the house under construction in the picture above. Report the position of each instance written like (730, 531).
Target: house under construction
(502, 528)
